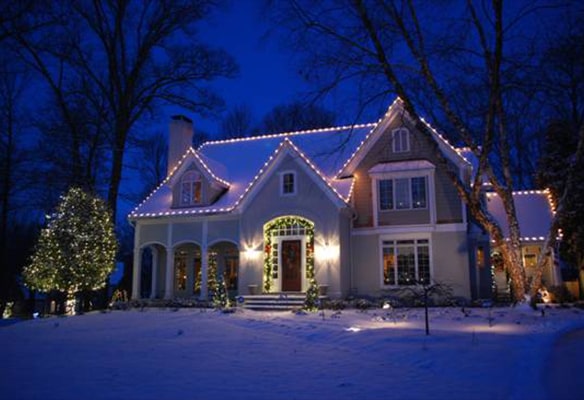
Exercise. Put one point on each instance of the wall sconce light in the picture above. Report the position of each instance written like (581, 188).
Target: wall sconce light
(251, 254)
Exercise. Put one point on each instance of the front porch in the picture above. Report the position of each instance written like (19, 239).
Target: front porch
(185, 271)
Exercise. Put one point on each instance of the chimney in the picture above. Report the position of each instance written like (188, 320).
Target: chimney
(180, 139)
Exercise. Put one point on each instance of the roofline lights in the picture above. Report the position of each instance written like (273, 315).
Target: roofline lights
(285, 134)
(373, 126)
(545, 192)
(315, 169)
(134, 213)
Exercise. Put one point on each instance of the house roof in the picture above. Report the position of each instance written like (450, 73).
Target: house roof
(239, 163)
(396, 110)
(535, 211)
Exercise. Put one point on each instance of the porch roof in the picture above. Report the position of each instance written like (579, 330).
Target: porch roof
(534, 213)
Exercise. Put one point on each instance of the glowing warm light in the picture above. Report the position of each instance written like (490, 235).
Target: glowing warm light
(326, 252)
(286, 134)
(251, 253)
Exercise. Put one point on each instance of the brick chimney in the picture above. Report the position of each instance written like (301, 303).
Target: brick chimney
(180, 139)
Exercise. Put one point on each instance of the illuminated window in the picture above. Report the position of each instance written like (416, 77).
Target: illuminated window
(530, 255)
(197, 273)
(400, 139)
(288, 183)
(190, 189)
(180, 267)
(231, 267)
(406, 262)
(402, 193)
(480, 257)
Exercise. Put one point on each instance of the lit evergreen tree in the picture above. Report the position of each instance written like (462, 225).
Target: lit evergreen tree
(77, 249)
(220, 295)
(312, 301)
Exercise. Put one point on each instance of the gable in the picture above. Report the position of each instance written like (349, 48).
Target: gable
(312, 185)
(394, 119)
(207, 189)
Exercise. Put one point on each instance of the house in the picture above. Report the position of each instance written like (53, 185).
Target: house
(364, 209)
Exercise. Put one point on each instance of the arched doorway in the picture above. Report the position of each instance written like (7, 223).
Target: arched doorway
(288, 254)
(152, 270)
(187, 268)
(224, 265)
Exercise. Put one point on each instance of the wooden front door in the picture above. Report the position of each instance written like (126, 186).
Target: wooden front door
(291, 266)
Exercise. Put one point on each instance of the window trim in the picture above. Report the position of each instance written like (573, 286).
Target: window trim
(196, 180)
(397, 170)
(394, 202)
(283, 174)
(401, 133)
(396, 238)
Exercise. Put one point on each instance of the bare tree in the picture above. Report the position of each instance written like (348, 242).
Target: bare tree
(238, 122)
(465, 67)
(150, 163)
(13, 169)
(131, 56)
(296, 116)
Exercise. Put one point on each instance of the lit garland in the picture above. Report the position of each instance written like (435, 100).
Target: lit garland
(285, 222)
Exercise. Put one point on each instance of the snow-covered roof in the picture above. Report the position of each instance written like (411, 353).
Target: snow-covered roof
(239, 163)
(534, 213)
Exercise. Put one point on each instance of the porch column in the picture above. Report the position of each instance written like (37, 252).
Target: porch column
(136, 274)
(154, 272)
(204, 261)
(169, 289)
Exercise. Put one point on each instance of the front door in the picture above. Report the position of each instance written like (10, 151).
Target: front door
(291, 266)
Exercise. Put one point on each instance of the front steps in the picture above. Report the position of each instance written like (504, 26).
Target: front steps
(275, 301)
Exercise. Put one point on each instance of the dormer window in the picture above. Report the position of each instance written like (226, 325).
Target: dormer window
(400, 139)
(288, 183)
(190, 189)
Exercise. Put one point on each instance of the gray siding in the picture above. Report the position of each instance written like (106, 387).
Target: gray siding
(223, 230)
(150, 233)
(187, 232)
(449, 262)
(403, 217)
(448, 204)
(366, 264)
(310, 202)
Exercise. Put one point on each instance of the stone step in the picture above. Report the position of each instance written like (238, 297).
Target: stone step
(276, 301)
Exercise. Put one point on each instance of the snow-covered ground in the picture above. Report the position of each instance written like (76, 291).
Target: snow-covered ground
(192, 354)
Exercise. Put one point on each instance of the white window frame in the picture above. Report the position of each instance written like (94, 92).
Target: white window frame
(294, 185)
(398, 144)
(191, 183)
(428, 173)
(277, 239)
(394, 191)
(395, 239)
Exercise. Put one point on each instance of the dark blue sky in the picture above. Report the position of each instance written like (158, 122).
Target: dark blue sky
(267, 75)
